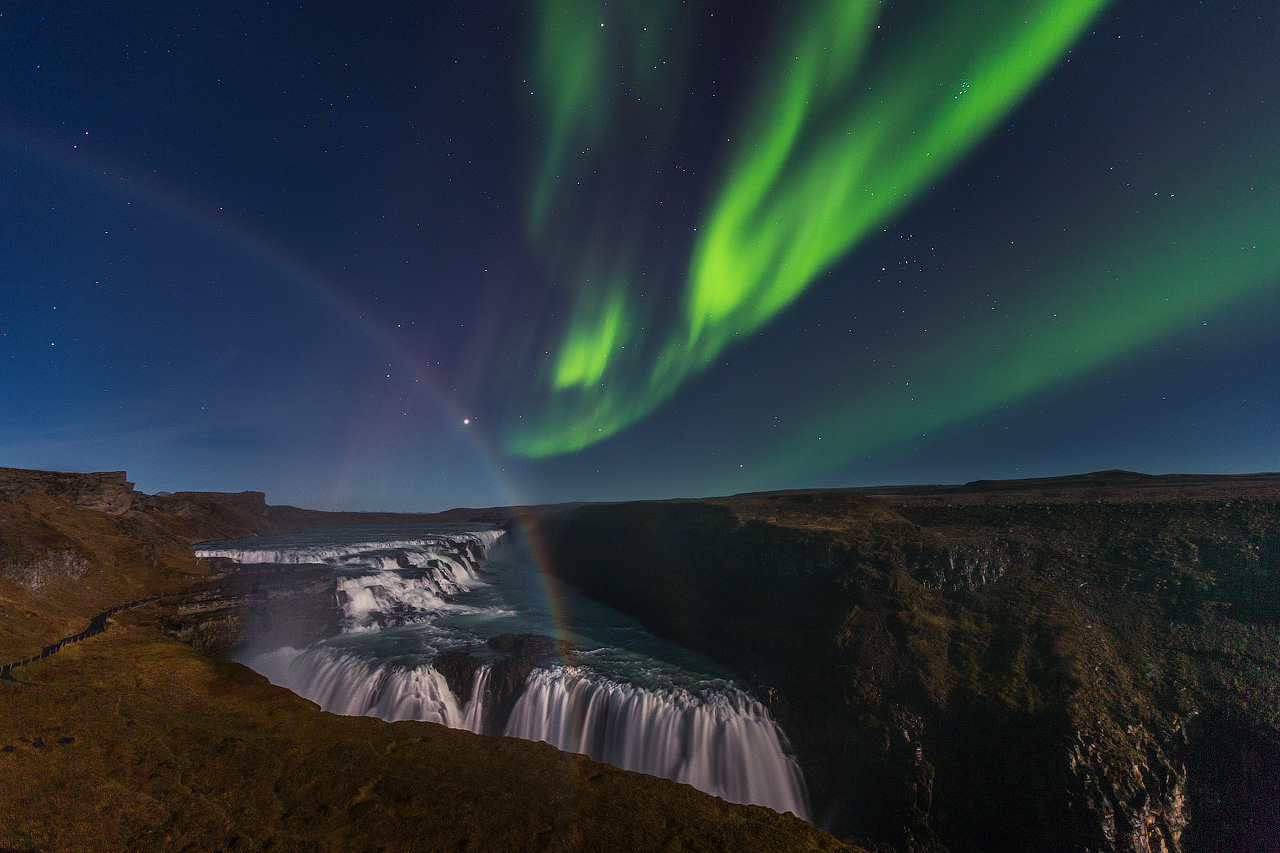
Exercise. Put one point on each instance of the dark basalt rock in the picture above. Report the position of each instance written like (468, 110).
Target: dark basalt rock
(530, 647)
(459, 670)
(265, 604)
(507, 676)
(1070, 665)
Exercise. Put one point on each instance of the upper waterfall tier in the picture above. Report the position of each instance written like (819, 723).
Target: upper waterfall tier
(381, 582)
(472, 545)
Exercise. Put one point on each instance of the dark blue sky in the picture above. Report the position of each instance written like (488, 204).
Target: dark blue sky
(287, 247)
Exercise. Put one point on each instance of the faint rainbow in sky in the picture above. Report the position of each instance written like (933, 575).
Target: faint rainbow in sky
(203, 220)
(206, 222)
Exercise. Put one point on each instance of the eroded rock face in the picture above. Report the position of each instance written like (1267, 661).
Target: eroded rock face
(507, 676)
(34, 574)
(105, 491)
(1134, 790)
(957, 567)
(265, 604)
(459, 670)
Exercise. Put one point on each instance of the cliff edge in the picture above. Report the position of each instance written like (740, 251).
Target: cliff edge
(1077, 664)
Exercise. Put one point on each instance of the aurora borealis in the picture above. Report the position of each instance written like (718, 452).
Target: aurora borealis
(642, 250)
(844, 133)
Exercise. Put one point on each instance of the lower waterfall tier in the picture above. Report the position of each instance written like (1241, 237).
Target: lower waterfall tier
(720, 741)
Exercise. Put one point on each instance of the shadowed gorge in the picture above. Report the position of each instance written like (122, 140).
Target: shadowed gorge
(1049, 665)
(454, 624)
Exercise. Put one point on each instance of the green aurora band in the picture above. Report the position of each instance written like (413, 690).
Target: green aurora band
(842, 136)
(571, 63)
(1213, 252)
(845, 132)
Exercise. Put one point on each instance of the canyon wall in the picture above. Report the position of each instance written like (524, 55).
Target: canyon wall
(1055, 667)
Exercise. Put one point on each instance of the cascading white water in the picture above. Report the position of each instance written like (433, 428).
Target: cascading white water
(385, 582)
(344, 684)
(407, 598)
(724, 743)
(334, 553)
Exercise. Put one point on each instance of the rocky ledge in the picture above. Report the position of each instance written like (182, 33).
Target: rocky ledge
(267, 604)
(106, 491)
(521, 653)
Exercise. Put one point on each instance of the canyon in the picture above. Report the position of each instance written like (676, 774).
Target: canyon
(1071, 664)
(132, 740)
(1086, 663)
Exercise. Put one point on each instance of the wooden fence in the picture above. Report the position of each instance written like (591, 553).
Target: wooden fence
(97, 625)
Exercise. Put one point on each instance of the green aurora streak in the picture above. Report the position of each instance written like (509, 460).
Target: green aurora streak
(846, 132)
(578, 48)
(841, 138)
(1216, 250)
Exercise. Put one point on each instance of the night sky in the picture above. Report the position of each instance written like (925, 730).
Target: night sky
(410, 256)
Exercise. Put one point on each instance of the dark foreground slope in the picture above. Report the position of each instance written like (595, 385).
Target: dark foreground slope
(131, 740)
(1087, 663)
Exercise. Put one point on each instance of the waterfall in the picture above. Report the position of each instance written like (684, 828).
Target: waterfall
(408, 598)
(724, 743)
(382, 582)
(470, 546)
(342, 683)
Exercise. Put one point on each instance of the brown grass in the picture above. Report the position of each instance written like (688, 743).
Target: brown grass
(132, 741)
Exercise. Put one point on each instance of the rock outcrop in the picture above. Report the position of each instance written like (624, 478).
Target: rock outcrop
(51, 565)
(105, 491)
(198, 516)
(507, 674)
(268, 605)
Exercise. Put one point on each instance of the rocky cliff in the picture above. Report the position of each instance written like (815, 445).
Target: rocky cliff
(58, 526)
(268, 605)
(107, 491)
(229, 605)
(1082, 664)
